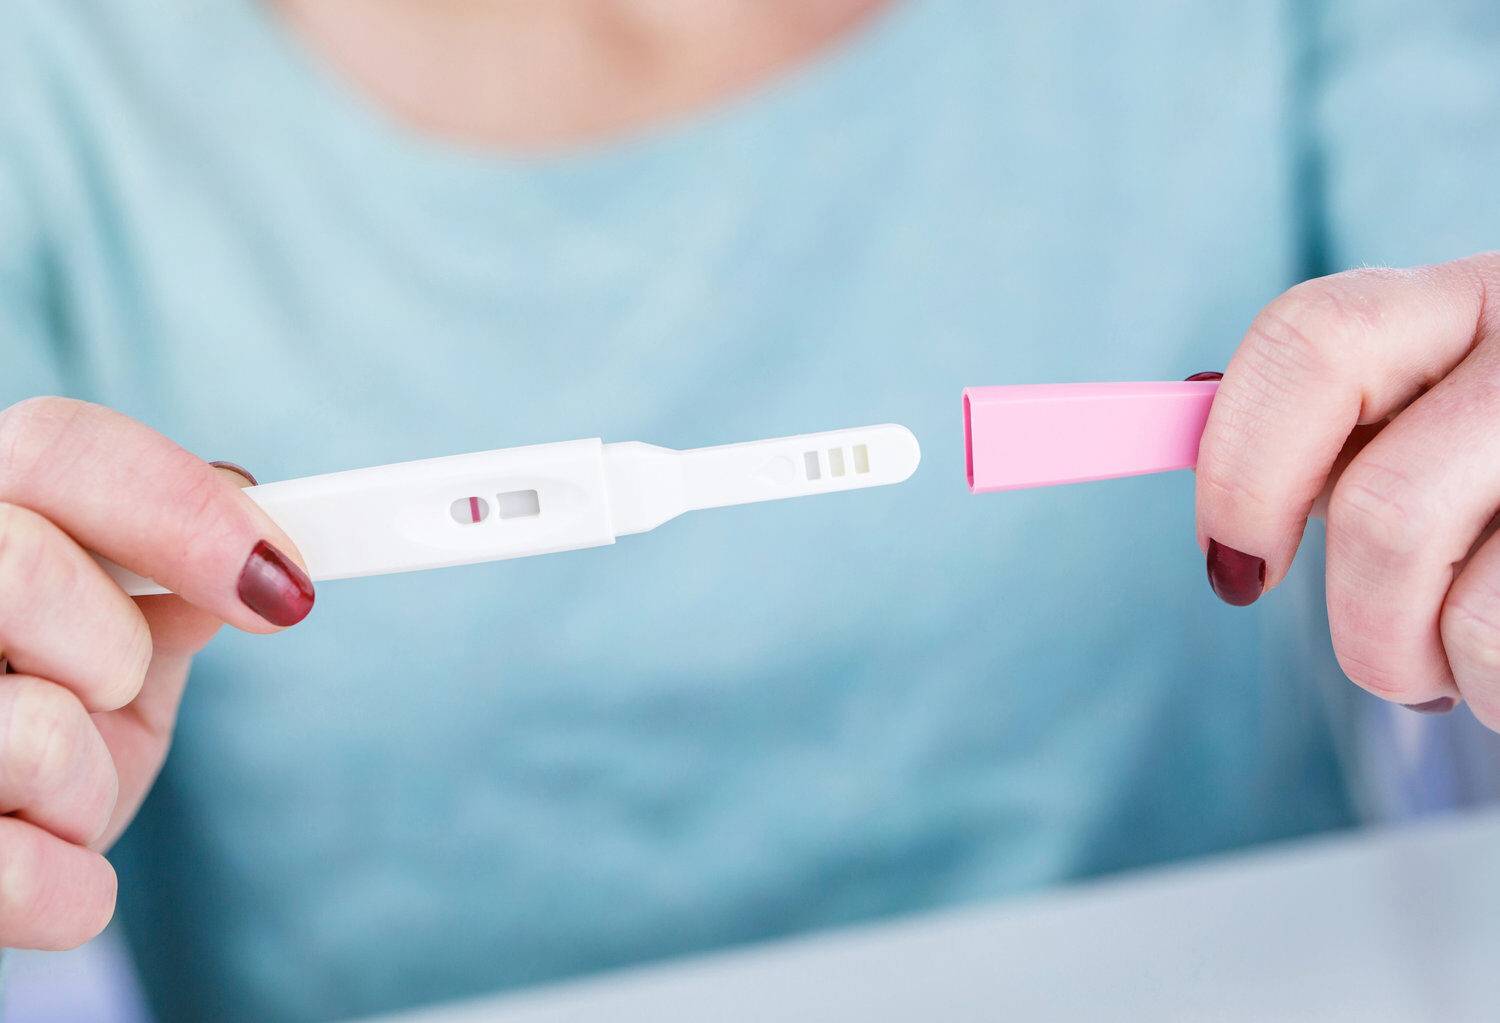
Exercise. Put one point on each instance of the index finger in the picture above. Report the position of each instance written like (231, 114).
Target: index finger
(124, 491)
(1323, 358)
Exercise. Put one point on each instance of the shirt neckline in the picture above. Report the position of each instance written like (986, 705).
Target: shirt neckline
(852, 67)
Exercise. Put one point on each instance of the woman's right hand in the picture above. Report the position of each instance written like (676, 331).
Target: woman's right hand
(87, 710)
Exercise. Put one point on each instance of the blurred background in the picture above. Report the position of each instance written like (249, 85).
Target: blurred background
(315, 236)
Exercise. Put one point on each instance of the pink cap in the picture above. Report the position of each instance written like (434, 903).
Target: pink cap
(1043, 434)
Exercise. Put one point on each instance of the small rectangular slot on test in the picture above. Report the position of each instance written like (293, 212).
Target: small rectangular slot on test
(835, 461)
(861, 458)
(518, 504)
(810, 461)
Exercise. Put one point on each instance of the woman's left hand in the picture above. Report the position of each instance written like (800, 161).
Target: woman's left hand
(1377, 392)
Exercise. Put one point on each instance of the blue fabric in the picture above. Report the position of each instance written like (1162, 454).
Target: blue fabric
(750, 722)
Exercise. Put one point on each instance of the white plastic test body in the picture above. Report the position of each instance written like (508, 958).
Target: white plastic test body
(545, 498)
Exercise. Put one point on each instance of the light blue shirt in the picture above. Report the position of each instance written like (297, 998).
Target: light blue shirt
(761, 720)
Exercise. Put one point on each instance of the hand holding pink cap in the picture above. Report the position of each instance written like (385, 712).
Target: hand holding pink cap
(1038, 435)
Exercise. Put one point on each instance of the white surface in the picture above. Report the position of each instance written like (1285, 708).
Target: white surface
(1387, 926)
(92, 984)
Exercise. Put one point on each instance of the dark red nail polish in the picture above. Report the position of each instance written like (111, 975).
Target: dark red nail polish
(1207, 375)
(274, 587)
(1238, 578)
(239, 469)
(1442, 705)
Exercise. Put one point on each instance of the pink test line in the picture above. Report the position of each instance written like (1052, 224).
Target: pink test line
(1038, 435)
(474, 509)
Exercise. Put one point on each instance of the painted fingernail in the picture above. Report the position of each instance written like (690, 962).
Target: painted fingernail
(274, 587)
(1207, 375)
(1238, 578)
(239, 469)
(1442, 705)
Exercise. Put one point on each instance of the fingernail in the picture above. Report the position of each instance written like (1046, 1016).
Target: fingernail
(1207, 375)
(273, 586)
(1238, 578)
(1442, 705)
(239, 469)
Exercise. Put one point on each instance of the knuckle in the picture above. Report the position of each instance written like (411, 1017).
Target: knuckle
(1276, 358)
(198, 495)
(36, 580)
(1309, 329)
(1381, 511)
(31, 429)
(1303, 329)
(45, 735)
(208, 510)
(22, 550)
(19, 425)
(1302, 339)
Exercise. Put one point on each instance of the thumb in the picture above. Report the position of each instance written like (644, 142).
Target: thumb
(126, 492)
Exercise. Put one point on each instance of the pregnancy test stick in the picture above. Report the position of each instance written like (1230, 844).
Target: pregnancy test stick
(544, 498)
(1040, 435)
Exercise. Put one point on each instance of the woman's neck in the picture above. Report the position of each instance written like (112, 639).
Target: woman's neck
(545, 74)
